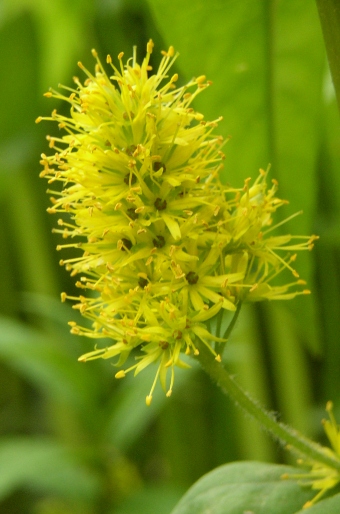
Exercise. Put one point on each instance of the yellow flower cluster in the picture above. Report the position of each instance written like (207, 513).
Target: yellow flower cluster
(161, 244)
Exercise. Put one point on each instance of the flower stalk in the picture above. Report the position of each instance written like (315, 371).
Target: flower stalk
(289, 437)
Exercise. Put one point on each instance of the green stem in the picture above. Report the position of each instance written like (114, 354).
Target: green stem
(329, 13)
(233, 321)
(220, 346)
(286, 435)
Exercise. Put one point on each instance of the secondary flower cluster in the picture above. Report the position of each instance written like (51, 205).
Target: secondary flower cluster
(322, 478)
(161, 245)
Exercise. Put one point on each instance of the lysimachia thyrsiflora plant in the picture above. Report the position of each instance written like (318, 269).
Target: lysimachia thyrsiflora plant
(161, 246)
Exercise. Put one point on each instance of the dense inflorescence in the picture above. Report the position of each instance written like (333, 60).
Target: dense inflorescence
(162, 246)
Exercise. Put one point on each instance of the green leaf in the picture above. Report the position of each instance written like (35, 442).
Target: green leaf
(48, 366)
(298, 69)
(244, 487)
(289, 367)
(61, 28)
(130, 416)
(226, 41)
(18, 89)
(45, 466)
(156, 499)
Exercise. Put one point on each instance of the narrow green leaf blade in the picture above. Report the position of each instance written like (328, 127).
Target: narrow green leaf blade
(45, 466)
(47, 365)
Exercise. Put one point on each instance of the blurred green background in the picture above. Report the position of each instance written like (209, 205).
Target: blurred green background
(72, 438)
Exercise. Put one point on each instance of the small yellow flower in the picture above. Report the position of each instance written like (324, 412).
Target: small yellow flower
(322, 477)
(263, 257)
(161, 245)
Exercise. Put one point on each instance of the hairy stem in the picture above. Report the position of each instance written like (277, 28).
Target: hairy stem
(285, 434)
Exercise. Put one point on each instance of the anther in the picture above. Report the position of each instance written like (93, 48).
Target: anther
(149, 46)
(201, 79)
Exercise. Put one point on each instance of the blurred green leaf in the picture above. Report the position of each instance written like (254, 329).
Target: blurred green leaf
(116, 21)
(45, 466)
(249, 364)
(36, 265)
(299, 68)
(46, 365)
(298, 73)
(61, 28)
(150, 500)
(243, 487)
(289, 367)
(330, 162)
(130, 415)
(18, 87)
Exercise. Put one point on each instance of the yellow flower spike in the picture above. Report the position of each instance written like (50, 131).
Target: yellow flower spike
(161, 246)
